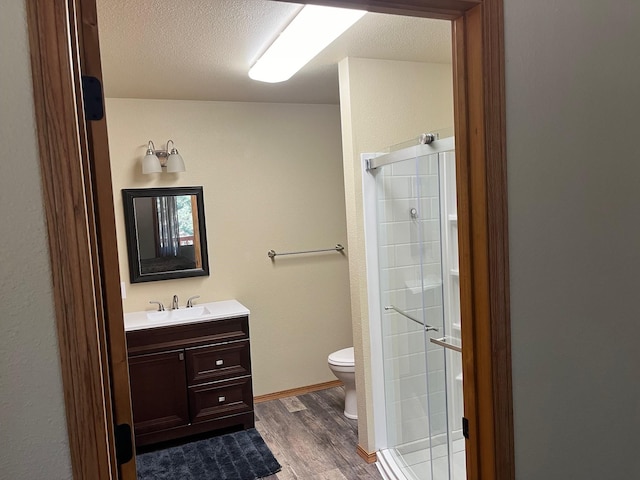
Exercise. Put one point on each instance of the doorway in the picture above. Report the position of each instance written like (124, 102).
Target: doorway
(223, 143)
(479, 109)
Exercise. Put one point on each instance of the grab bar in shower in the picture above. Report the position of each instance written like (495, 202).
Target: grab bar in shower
(272, 253)
(427, 328)
(443, 343)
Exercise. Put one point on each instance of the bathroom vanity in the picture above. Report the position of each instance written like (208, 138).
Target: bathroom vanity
(190, 370)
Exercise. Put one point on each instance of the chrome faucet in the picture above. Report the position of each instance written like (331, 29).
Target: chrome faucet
(174, 303)
(190, 300)
(160, 305)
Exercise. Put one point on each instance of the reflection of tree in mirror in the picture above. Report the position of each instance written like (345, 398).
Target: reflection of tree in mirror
(185, 216)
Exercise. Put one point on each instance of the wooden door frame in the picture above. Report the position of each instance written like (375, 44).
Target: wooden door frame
(78, 201)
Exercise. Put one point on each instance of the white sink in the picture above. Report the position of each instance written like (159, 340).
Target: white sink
(192, 313)
(158, 316)
(199, 313)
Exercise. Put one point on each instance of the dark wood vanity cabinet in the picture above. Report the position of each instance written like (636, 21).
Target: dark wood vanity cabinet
(191, 378)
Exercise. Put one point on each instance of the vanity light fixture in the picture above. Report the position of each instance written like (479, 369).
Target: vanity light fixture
(308, 34)
(155, 160)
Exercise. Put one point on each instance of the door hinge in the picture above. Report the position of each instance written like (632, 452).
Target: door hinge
(124, 444)
(92, 98)
(465, 427)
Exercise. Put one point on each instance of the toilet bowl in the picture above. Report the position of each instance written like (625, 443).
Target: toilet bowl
(342, 364)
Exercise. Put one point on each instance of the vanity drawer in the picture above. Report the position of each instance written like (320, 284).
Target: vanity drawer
(187, 335)
(218, 362)
(219, 399)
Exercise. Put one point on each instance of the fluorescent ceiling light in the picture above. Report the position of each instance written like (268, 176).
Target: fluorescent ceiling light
(308, 34)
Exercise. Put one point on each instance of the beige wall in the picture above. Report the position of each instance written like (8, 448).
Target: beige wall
(383, 103)
(32, 420)
(272, 178)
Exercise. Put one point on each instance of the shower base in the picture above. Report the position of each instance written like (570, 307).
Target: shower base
(407, 463)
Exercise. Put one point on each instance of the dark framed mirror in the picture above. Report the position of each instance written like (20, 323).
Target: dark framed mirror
(166, 234)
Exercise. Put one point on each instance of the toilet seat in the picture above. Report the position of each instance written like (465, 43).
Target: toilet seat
(343, 358)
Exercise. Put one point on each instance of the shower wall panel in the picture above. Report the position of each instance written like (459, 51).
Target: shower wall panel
(411, 278)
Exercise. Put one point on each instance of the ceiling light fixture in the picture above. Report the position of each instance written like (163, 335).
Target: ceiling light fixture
(308, 34)
(153, 160)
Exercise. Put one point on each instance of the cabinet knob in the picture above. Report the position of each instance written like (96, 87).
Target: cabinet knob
(181, 356)
(219, 362)
(221, 399)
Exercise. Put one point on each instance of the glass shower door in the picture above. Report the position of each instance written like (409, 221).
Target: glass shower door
(450, 340)
(413, 302)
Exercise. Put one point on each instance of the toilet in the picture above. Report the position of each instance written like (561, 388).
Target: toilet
(342, 364)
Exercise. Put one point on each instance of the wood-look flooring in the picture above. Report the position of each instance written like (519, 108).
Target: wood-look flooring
(312, 439)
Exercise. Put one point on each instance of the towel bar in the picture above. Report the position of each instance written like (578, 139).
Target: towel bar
(443, 343)
(338, 248)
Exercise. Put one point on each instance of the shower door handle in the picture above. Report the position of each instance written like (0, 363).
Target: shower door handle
(443, 343)
(427, 328)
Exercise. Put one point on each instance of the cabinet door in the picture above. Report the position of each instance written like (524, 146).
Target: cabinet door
(158, 386)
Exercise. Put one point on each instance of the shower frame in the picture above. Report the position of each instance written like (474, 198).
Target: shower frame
(76, 181)
(370, 200)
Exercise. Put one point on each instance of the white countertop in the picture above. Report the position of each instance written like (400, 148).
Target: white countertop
(200, 312)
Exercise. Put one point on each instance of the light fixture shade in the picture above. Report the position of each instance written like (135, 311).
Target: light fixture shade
(175, 163)
(308, 34)
(151, 163)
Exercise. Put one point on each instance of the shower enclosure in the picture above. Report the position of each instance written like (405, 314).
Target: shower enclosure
(414, 310)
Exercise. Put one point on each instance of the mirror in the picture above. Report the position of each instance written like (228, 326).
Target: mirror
(166, 235)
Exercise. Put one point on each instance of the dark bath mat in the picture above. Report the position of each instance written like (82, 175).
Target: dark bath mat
(236, 456)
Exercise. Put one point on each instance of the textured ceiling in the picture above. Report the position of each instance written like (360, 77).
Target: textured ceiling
(203, 49)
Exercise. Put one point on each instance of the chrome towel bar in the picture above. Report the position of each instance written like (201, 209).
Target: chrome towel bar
(427, 328)
(443, 343)
(272, 253)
